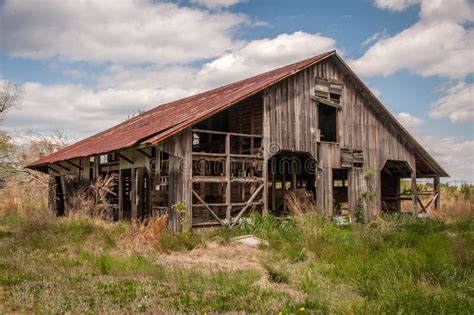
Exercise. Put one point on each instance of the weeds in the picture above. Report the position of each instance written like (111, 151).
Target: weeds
(392, 264)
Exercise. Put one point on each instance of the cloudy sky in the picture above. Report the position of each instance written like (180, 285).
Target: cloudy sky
(87, 65)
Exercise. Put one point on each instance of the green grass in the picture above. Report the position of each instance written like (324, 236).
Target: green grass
(393, 265)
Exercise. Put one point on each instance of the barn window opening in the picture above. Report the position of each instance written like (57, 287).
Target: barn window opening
(327, 123)
(335, 92)
(328, 90)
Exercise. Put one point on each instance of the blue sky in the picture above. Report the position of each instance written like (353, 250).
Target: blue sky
(87, 66)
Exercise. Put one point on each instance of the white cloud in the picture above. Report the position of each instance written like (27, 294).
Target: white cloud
(375, 37)
(82, 111)
(254, 57)
(439, 44)
(457, 104)
(141, 31)
(214, 4)
(408, 119)
(443, 49)
(454, 154)
(264, 54)
(395, 5)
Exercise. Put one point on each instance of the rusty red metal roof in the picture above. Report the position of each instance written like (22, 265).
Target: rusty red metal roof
(170, 118)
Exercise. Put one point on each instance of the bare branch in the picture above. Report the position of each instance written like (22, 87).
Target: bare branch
(11, 95)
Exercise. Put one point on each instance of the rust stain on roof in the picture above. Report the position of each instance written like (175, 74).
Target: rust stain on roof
(163, 121)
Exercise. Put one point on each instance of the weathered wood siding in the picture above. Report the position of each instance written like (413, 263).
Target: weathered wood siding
(290, 116)
(361, 127)
(329, 158)
(179, 147)
(291, 123)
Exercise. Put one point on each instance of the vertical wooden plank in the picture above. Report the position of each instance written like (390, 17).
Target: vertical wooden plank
(120, 196)
(266, 148)
(437, 191)
(228, 179)
(414, 193)
(134, 194)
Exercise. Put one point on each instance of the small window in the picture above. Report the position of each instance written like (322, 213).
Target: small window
(103, 159)
(321, 88)
(335, 92)
(328, 90)
(327, 123)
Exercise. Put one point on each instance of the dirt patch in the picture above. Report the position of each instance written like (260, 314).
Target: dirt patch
(214, 256)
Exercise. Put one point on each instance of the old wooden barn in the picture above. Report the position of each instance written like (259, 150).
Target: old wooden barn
(312, 128)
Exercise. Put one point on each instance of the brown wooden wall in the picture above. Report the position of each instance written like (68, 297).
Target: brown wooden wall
(179, 147)
(290, 116)
(361, 128)
(291, 123)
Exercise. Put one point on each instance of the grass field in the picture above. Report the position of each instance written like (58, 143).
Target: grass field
(80, 265)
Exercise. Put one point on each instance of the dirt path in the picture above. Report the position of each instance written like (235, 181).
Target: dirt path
(231, 257)
(213, 256)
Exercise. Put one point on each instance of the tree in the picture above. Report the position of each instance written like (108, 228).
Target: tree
(11, 95)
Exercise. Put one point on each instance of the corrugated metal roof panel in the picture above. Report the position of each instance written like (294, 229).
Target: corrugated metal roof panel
(167, 119)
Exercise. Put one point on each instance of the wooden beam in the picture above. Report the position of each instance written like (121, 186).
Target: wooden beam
(120, 214)
(228, 177)
(120, 155)
(273, 190)
(208, 208)
(49, 167)
(63, 167)
(425, 207)
(414, 194)
(146, 154)
(326, 102)
(249, 202)
(234, 134)
(134, 194)
(74, 164)
(438, 192)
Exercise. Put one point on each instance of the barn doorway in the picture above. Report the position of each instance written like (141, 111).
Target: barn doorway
(290, 172)
(340, 191)
(394, 189)
(59, 197)
(126, 179)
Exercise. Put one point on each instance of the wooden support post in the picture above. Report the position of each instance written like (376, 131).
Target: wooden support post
(293, 177)
(284, 189)
(265, 187)
(273, 188)
(65, 195)
(134, 194)
(437, 190)
(414, 196)
(228, 179)
(120, 196)
(95, 172)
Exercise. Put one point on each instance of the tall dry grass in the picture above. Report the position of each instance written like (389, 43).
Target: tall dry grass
(25, 201)
(457, 204)
(31, 205)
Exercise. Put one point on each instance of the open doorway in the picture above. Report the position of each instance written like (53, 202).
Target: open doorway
(290, 172)
(59, 197)
(127, 193)
(395, 186)
(327, 120)
(340, 191)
